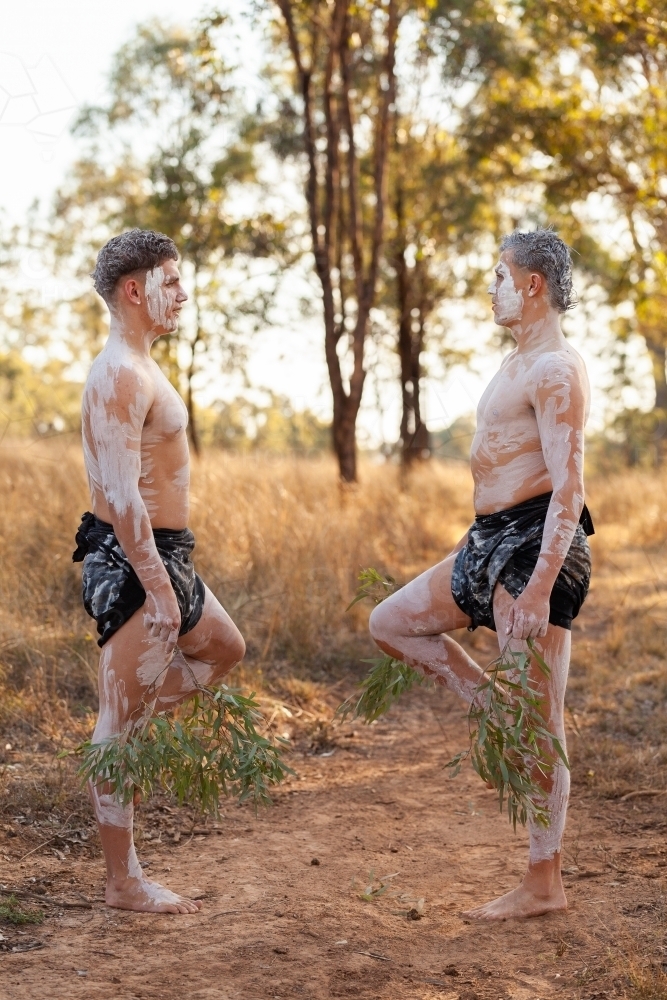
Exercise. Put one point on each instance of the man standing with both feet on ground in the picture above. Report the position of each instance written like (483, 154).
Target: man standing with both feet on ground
(523, 568)
(162, 632)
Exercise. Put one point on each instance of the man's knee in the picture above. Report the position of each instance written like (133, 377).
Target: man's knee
(236, 648)
(228, 648)
(380, 623)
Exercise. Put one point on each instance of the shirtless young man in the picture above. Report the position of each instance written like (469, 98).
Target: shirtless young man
(161, 630)
(523, 568)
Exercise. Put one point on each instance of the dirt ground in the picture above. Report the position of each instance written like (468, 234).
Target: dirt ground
(283, 915)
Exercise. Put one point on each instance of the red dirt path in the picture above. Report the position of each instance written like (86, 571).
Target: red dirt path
(276, 925)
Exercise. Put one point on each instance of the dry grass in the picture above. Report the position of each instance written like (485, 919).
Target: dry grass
(618, 686)
(276, 541)
(281, 547)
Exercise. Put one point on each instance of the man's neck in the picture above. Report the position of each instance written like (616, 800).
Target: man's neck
(538, 333)
(124, 334)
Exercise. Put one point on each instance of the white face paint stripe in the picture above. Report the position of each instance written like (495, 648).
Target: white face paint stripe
(508, 299)
(161, 299)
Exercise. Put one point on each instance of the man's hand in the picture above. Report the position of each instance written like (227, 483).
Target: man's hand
(529, 615)
(162, 616)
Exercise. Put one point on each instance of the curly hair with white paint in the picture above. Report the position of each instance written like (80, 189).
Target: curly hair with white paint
(134, 250)
(544, 251)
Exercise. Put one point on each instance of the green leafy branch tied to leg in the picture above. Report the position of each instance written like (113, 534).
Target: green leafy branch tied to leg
(510, 747)
(212, 748)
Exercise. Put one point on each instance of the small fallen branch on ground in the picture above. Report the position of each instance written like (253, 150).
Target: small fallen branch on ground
(640, 793)
(39, 898)
(213, 748)
(510, 747)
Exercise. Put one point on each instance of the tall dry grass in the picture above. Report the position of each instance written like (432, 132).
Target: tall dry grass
(277, 542)
(281, 547)
(617, 693)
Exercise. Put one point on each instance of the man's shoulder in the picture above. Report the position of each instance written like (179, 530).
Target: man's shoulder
(120, 375)
(558, 365)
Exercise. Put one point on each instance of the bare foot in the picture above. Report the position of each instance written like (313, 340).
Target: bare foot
(520, 902)
(148, 897)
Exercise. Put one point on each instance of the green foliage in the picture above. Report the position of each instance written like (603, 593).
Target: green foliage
(383, 685)
(510, 747)
(36, 401)
(214, 748)
(372, 584)
(388, 678)
(14, 913)
(243, 425)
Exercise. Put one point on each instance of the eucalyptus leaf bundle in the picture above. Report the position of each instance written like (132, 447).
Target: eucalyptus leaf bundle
(380, 688)
(510, 746)
(213, 749)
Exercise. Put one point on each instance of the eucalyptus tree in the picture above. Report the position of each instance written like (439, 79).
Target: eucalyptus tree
(576, 128)
(624, 51)
(339, 64)
(171, 151)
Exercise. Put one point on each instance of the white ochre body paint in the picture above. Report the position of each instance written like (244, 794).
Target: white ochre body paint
(528, 442)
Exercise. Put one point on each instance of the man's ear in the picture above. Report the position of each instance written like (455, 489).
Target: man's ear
(536, 284)
(131, 290)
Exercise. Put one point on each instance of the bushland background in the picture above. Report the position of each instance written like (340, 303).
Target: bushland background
(341, 196)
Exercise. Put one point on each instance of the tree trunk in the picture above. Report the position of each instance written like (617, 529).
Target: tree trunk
(658, 353)
(333, 197)
(414, 434)
(193, 432)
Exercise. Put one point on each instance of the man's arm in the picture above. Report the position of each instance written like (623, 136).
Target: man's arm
(559, 400)
(116, 423)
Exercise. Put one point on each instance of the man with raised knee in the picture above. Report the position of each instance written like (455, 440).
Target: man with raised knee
(162, 632)
(523, 568)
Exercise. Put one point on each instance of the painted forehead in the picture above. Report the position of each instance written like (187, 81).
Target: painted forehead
(167, 272)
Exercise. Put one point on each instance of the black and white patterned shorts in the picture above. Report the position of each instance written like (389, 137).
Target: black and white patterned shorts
(112, 592)
(504, 548)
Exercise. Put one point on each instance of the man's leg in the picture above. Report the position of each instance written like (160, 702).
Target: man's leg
(203, 656)
(133, 666)
(134, 672)
(410, 624)
(542, 887)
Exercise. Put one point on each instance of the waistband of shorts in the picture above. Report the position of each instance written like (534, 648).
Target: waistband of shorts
(161, 532)
(92, 527)
(535, 506)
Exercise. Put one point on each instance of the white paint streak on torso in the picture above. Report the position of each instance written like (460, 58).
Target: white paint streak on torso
(508, 453)
(162, 473)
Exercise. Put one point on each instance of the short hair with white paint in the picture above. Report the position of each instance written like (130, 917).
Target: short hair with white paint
(134, 250)
(545, 252)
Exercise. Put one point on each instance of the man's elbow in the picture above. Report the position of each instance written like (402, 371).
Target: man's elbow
(570, 494)
(121, 500)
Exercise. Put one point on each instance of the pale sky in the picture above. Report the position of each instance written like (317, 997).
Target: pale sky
(55, 56)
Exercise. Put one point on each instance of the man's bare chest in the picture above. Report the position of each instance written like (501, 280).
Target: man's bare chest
(167, 419)
(506, 404)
